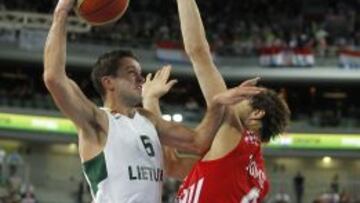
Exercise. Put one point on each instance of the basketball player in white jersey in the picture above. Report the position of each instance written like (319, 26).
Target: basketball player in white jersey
(120, 144)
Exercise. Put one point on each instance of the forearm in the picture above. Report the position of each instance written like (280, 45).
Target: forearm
(196, 46)
(192, 28)
(55, 47)
(176, 165)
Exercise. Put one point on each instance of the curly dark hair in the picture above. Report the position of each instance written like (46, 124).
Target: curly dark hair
(108, 64)
(277, 114)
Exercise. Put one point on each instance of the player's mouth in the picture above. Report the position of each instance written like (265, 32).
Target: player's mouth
(138, 87)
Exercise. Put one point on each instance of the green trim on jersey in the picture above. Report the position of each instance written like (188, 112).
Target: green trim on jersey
(95, 170)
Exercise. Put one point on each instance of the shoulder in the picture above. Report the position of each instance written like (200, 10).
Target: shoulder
(101, 118)
(147, 114)
(97, 121)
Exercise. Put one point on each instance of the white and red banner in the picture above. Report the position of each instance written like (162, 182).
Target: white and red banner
(280, 57)
(171, 52)
(349, 58)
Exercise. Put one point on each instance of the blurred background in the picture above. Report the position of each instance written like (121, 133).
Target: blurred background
(307, 50)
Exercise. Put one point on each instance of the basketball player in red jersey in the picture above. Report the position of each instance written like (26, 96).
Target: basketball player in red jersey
(232, 171)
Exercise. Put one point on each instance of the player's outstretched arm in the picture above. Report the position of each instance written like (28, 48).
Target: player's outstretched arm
(67, 95)
(176, 165)
(199, 140)
(197, 48)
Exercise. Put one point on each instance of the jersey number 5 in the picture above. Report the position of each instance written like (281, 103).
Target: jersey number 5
(148, 146)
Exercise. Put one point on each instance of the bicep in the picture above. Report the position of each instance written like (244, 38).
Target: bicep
(71, 101)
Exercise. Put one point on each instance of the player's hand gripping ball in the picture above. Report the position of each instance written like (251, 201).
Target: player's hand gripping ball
(100, 12)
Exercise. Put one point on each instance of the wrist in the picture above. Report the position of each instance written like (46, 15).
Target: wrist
(152, 98)
(215, 106)
(215, 101)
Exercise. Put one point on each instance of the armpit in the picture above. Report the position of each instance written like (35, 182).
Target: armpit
(95, 124)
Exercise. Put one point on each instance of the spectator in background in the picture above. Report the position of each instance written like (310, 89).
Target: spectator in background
(83, 192)
(334, 185)
(330, 198)
(144, 24)
(345, 197)
(320, 36)
(2, 165)
(27, 193)
(299, 180)
(15, 181)
(28, 197)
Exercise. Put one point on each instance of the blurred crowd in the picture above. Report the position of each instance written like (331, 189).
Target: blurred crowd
(233, 27)
(326, 106)
(24, 88)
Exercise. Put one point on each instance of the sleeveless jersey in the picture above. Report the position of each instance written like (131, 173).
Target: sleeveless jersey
(130, 168)
(238, 177)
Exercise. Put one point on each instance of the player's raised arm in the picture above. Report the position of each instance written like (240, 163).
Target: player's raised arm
(66, 93)
(199, 140)
(197, 48)
(176, 165)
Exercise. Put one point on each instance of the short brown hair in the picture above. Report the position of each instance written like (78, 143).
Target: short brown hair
(108, 64)
(277, 114)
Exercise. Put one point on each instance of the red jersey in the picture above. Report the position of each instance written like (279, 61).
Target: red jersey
(238, 177)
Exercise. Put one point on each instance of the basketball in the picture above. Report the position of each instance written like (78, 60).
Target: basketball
(100, 12)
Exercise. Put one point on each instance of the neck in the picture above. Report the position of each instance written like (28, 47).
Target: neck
(235, 124)
(119, 107)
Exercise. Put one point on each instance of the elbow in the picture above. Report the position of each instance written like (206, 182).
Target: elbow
(200, 148)
(196, 146)
(50, 80)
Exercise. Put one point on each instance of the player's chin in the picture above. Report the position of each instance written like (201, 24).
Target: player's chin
(138, 89)
(137, 99)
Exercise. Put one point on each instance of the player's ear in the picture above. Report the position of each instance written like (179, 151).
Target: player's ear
(257, 114)
(108, 83)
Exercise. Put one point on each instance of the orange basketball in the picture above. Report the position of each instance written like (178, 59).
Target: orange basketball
(99, 12)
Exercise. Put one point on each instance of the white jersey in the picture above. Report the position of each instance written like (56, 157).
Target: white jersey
(130, 168)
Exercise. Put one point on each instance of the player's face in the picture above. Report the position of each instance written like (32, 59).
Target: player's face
(243, 110)
(250, 117)
(129, 81)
